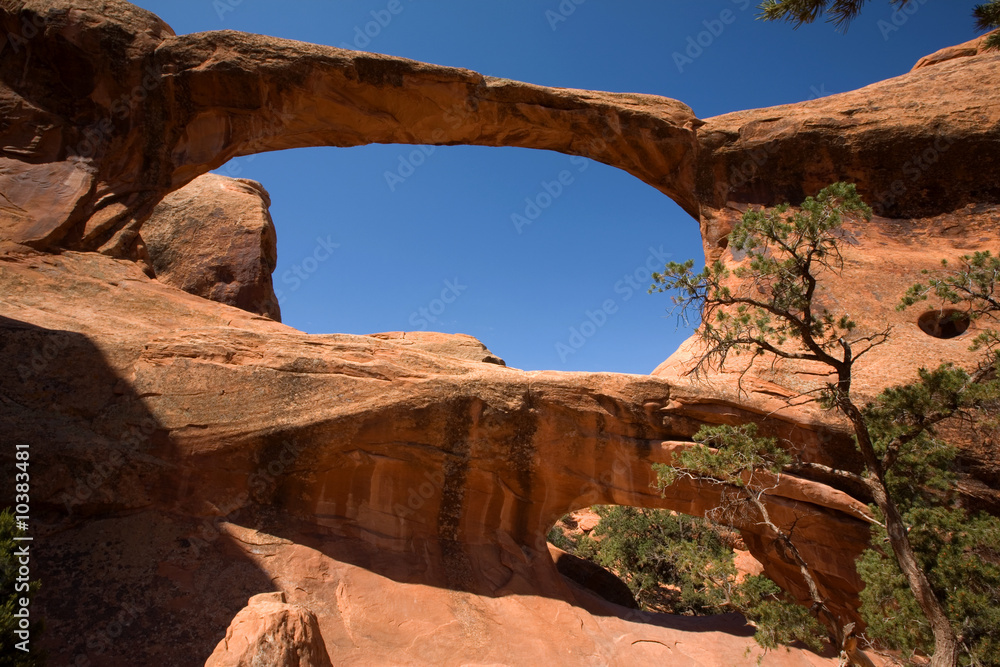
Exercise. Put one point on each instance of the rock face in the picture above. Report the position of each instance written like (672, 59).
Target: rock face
(459, 346)
(883, 258)
(971, 48)
(914, 145)
(86, 172)
(215, 238)
(211, 454)
(917, 146)
(400, 485)
(271, 632)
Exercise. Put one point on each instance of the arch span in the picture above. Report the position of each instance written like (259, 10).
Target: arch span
(109, 110)
(459, 466)
(179, 106)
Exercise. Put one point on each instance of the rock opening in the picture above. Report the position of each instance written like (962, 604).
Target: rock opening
(944, 323)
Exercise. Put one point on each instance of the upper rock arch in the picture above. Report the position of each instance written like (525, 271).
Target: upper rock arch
(108, 110)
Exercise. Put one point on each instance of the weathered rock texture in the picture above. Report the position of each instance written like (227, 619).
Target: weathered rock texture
(924, 150)
(210, 454)
(971, 48)
(187, 455)
(269, 631)
(215, 238)
(920, 145)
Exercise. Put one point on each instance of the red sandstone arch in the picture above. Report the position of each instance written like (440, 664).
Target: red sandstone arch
(86, 156)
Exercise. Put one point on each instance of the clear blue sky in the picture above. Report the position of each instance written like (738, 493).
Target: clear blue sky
(447, 227)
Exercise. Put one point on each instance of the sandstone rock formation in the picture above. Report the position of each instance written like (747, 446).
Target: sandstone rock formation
(883, 258)
(459, 346)
(181, 105)
(271, 632)
(971, 48)
(188, 455)
(210, 454)
(917, 146)
(94, 165)
(215, 238)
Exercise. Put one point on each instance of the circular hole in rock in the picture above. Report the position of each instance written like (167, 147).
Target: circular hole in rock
(946, 323)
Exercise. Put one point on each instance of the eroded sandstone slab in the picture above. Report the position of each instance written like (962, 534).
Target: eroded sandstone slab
(409, 462)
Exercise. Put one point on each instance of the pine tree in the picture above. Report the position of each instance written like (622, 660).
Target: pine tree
(842, 12)
(988, 18)
(684, 565)
(773, 312)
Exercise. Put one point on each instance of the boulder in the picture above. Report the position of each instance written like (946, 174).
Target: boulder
(269, 631)
(593, 577)
(214, 237)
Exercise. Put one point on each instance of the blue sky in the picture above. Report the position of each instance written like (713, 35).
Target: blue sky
(438, 249)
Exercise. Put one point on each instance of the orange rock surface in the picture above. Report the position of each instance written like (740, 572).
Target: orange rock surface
(270, 631)
(971, 48)
(215, 238)
(199, 434)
